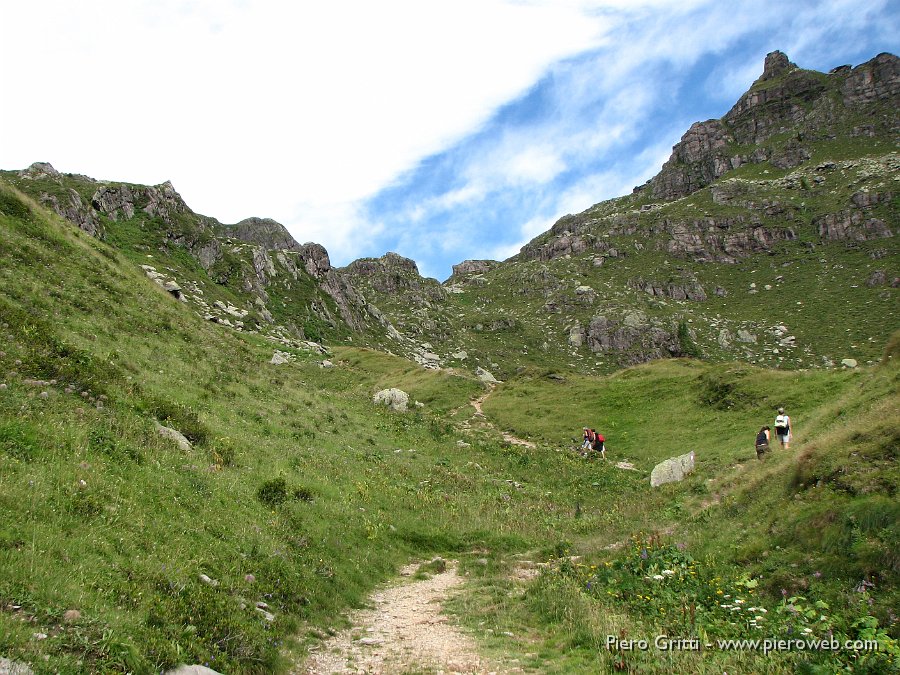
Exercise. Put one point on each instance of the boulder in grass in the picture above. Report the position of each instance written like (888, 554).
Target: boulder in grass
(395, 399)
(485, 376)
(173, 435)
(8, 667)
(672, 470)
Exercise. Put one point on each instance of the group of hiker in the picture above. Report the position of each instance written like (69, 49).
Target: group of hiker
(593, 441)
(783, 430)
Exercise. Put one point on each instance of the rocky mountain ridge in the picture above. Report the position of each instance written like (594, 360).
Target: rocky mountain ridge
(800, 177)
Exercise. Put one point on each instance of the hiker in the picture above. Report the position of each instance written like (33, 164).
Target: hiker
(587, 439)
(598, 444)
(783, 428)
(762, 442)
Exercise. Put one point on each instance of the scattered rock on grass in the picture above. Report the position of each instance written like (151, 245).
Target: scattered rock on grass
(849, 363)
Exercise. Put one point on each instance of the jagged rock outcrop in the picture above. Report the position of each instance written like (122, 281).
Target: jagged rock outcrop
(783, 99)
(632, 339)
(688, 290)
(392, 274)
(851, 225)
(874, 80)
(122, 201)
(73, 208)
(469, 267)
(65, 201)
(265, 232)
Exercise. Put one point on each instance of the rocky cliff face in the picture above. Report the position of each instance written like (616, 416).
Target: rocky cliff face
(784, 99)
(392, 274)
(265, 232)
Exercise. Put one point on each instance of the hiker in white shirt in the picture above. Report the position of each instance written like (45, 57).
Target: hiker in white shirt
(783, 428)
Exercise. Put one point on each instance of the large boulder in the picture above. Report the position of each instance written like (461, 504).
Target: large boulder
(8, 667)
(672, 470)
(395, 399)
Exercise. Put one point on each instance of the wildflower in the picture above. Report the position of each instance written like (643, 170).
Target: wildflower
(658, 577)
(806, 631)
(763, 610)
(668, 573)
(817, 574)
(739, 601)
(758, 617)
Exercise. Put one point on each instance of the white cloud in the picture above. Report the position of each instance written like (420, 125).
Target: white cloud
(253, 107)
(303, 111)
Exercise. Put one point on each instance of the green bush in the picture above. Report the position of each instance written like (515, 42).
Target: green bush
(273, 492)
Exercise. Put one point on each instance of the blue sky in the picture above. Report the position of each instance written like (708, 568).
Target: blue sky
(439, 130)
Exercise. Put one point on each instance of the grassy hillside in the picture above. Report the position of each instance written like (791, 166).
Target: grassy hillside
(810, 534)
(299, 494)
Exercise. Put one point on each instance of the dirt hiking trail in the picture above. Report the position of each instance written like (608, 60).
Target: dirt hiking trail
(404, 632)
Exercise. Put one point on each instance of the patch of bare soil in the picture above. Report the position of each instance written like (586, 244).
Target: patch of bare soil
(404, 631)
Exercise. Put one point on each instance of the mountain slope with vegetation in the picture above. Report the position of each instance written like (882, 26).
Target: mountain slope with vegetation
(287, 495)
(760, 224)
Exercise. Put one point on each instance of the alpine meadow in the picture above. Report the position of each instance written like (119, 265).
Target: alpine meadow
(215, 446)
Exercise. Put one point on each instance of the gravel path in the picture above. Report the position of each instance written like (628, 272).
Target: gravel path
(404, 632)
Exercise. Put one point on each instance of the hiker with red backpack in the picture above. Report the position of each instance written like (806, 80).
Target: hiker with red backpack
(593, 440)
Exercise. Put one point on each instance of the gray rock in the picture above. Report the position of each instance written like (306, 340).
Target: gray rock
(849, 363)
(461, 355)
(268, 616)
(204, 579)
(467, 267)
(395, 399)
(746, 336)
(279, 358)
(725, 337)
(192, 670)
(327, 364)
(485, 376)
(8, 667)
(576, 336)
(672, 470)
(173, 435)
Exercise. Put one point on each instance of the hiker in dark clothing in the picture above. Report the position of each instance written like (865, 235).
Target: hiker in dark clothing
(598, 444)
(762, 442)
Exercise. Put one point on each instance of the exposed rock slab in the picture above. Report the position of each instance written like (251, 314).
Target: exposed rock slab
(672, 470)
